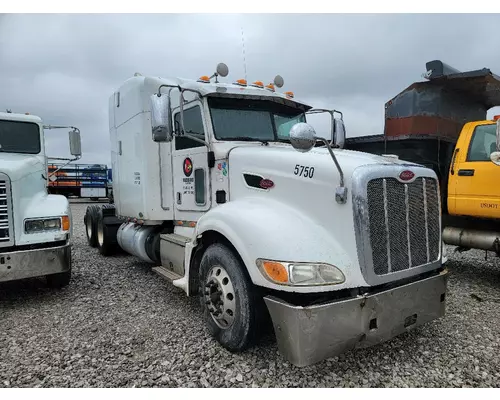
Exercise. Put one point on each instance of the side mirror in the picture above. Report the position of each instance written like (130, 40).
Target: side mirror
(498, 134)
(302, 137)
(160, 119)
(495, 156)
(75, 143)
(339, 132)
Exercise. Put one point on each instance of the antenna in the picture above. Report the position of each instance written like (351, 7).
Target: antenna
(243, 51)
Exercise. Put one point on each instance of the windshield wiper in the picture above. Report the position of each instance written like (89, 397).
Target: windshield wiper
(247, 139)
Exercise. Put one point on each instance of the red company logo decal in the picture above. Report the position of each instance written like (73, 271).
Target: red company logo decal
(188, 167)
(406, 175)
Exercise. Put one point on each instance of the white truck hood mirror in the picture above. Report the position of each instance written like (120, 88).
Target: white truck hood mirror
(302, 137)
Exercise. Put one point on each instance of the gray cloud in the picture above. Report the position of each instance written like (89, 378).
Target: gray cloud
(64, 67)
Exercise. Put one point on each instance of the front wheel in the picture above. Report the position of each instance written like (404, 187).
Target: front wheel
(228, 301)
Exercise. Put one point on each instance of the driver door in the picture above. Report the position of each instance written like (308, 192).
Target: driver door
(190, 164)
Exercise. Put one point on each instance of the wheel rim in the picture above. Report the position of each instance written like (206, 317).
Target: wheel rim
(88, 225)
(100, 233)
(219, 297)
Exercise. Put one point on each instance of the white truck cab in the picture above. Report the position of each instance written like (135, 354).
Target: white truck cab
(226, 190)
(35, 228)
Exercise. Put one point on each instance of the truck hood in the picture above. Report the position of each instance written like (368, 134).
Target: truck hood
(17, 166)
(300, 207)
(275, 158)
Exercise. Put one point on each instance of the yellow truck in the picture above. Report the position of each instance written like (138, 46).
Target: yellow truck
(441, 123)
(474, 188)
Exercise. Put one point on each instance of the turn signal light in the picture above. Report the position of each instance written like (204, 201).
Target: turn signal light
(65, 223)
(276, 271)
(496, 117)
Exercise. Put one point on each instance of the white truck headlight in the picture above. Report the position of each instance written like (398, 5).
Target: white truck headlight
(300, 274)
(46, 224)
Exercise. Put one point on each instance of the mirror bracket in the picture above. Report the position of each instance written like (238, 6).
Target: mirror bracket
(341, 190)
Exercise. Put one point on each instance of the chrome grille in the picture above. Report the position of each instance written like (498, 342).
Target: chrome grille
(6, 231)
(404, 223)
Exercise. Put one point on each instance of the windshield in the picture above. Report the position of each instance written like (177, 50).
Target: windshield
(19, 137)
(263, 120)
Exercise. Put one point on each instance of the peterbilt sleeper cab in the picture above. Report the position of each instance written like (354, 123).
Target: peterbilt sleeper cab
(229, 194)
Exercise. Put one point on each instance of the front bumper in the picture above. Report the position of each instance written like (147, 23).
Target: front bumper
(34, 263)
(307, 335)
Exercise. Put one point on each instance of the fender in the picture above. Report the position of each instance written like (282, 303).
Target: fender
(40, 206)
(264, 228)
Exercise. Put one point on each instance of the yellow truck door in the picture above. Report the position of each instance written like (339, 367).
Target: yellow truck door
(474, 180)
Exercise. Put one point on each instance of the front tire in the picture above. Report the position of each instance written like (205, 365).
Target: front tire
(227, 298)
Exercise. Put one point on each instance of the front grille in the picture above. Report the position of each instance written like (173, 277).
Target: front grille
(6, 231)
(403, 223)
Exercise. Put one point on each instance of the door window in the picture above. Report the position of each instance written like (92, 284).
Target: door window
(483, 143)
(193, 125)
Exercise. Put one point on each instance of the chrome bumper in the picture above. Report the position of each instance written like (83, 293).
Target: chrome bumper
(307, 335)
(34, 263)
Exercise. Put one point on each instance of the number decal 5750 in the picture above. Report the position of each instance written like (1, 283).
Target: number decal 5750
(306, 172)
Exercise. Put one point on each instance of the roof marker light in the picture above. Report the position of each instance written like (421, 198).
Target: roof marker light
(289, 94)
(270, 87)
(204, 79)
(258, 84)
(241, 82)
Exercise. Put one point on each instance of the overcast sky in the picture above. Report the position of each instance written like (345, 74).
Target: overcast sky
(64, 67)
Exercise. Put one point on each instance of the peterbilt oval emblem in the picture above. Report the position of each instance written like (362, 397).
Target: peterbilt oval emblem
(406, 175)
(266, 184)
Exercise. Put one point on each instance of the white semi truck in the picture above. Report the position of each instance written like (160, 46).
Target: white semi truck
(35, 227)
(226, 190)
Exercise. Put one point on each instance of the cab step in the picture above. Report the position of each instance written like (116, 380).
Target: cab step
(166, 273)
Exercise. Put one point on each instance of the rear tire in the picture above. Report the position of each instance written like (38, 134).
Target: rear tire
(105, 244)
(223, 279)
(90, 220)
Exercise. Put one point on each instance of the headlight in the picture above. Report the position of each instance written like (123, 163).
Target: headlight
(46, 224)
(300, 274)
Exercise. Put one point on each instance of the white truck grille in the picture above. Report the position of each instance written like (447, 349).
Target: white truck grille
(6, 223)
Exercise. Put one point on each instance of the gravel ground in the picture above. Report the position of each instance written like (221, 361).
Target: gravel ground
(119, 324)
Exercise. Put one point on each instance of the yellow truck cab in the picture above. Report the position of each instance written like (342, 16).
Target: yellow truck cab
(474, 180)
(441, 124)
